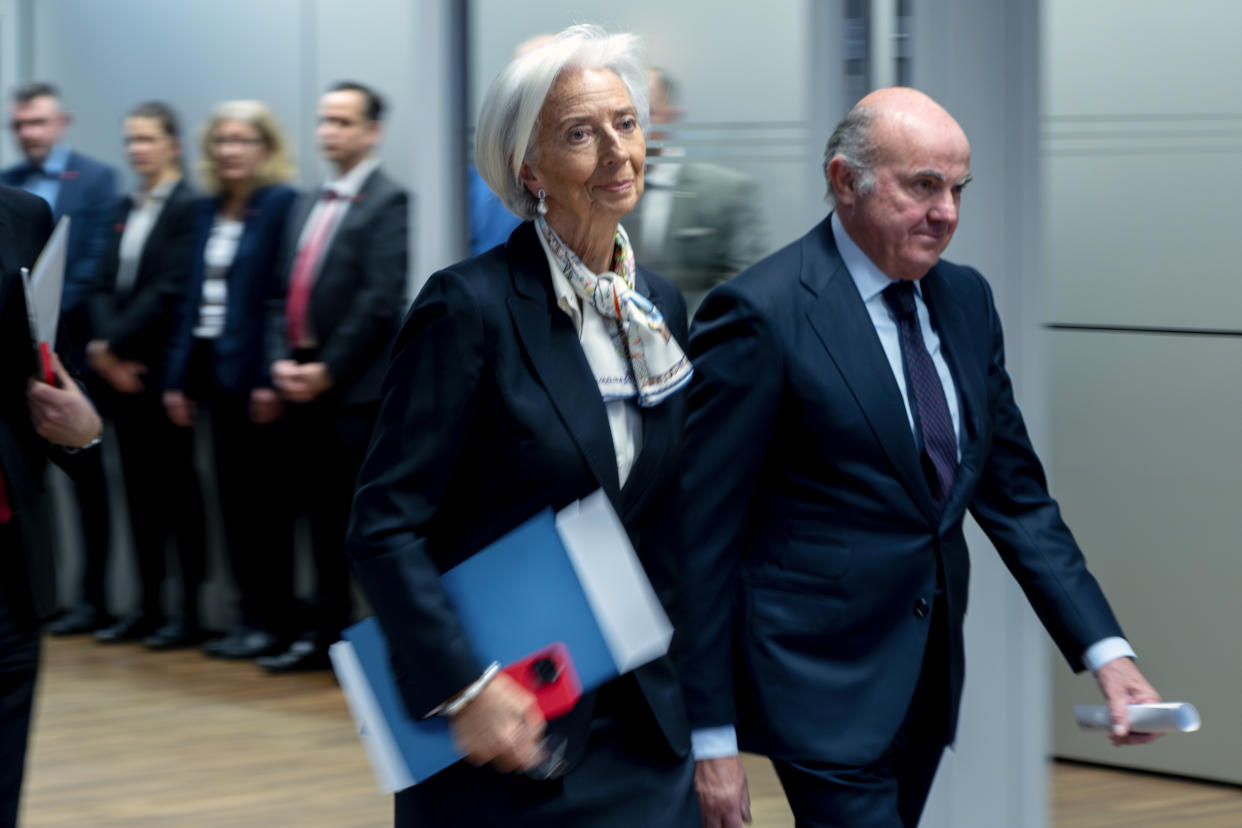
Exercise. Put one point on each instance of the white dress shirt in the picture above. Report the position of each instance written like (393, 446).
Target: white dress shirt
(144, 211)
(717, 742)
(217, 259)
(346, 188)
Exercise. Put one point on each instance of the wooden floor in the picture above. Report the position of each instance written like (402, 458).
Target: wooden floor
(124, 737)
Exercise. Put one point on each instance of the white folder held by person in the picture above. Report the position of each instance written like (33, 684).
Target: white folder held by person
(44, 286)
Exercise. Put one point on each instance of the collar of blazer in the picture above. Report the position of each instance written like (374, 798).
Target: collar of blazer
(550, 341)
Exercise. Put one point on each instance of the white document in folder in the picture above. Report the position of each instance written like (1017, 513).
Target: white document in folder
(47, 282)
(630, 616)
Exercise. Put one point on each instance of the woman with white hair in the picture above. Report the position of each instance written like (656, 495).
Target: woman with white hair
(523, 379)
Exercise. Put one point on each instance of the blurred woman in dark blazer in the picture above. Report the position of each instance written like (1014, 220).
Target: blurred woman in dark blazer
(130, 307)
(526, 378)
(216, 359)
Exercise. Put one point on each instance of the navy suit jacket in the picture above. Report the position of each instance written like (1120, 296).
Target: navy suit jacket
(358, 296)
(490, 413)
(812, 537)
(240, 362)
(87, 191)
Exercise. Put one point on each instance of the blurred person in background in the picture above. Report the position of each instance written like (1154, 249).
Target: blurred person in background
(490, 222)
(82, 188)
(523, 379)
(698, 224)
(35, 418)
(329, 330)
(143, 274)
(217, 360)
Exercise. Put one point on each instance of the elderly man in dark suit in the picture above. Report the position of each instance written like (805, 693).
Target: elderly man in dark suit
(82, 188)
(328, 335)
(850, 405)
(33, 415)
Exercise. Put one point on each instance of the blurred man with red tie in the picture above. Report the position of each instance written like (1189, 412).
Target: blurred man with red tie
(344, 272)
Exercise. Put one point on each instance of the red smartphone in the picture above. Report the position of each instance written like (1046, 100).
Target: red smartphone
(549, 673)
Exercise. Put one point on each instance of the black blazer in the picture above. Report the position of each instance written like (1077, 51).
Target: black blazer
(812, 538)
(138, 324)
(358, 295)
(490, 414)
(240, 364)
(25, 224)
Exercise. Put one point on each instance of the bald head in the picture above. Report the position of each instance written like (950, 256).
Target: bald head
(896, 167)
(899, 113)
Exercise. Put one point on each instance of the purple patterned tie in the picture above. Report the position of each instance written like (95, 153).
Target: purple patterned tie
(931, 411)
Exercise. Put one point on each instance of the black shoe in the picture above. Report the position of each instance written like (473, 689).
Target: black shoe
(301, 655)
(133, 627)
(247, 644)
(174, 634)
(81, 619)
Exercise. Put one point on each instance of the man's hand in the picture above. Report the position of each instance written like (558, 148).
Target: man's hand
(502, 725)
(62, 414)
(125, 375)
(724, 797)
(179, 408)
(301, 383)
(1123, 684)
(265, 406)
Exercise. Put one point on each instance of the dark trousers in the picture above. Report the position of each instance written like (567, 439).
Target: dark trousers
(253, 505)
(91, 490)
(164, 499)
(327, 443)
(892, 791)
(19, 664)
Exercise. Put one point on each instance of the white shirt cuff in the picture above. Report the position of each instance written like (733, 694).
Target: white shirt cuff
(714, 742)
(1104, 651)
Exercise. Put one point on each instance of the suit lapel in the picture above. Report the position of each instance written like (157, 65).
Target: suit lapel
(955, 342)
(841, 321)
(551, 343)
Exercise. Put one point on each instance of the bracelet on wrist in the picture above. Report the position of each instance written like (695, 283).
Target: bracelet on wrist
(471, 693)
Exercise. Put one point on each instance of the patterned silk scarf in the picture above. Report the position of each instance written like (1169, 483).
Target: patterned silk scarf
(644, 360)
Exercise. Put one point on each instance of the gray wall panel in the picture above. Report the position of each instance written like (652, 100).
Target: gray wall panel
(1127, 57)
(108, 56)
(1120, 254)
(1147, 469)
(979, 59)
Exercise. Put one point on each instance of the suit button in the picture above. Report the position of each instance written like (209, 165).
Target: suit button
(921, 608)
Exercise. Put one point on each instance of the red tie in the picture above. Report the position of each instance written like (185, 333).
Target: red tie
(298, 302)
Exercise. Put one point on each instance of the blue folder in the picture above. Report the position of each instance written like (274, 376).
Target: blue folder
(515, 596)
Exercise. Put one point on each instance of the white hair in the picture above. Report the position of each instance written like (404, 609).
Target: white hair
(853, 141)
(509, 117)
